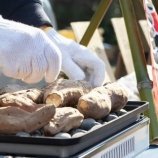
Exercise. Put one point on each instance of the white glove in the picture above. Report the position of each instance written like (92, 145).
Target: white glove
(27, 53)
(77, 61)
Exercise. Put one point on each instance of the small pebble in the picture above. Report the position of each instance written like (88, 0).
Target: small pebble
(121, 112)
(95, 127)
(88, 123)
(100, 121)
(23, 134)
(36, 133)
(62, 135)
(104, 123)
(110, 117)
(78, 132)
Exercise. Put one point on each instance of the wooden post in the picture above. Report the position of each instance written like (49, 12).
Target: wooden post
(143, 81)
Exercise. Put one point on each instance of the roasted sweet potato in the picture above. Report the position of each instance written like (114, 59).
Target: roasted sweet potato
(118, 96)
(100, 101)
(28, 100)
(63, 92)
(65, 119)
(14, 119)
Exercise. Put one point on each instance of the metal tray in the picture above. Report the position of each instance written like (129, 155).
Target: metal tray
(55, 147)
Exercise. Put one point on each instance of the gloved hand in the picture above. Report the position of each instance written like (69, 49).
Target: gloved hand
(77, 61)
(27, 53)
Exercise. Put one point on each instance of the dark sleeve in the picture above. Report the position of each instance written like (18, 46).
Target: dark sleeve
(29, 12)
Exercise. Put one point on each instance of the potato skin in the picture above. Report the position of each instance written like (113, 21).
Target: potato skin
(65, 119)
(100, 101)
(118, 96)
(65, 93)
(14, 119)
(28, 100)
(94, 104)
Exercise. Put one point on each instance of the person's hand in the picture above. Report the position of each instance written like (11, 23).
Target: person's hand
(77, 61)
(27, 53)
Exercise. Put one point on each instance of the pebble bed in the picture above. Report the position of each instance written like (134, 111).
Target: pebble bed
(87, 125)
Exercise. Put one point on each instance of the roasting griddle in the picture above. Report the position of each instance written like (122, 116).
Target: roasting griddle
(54, 147)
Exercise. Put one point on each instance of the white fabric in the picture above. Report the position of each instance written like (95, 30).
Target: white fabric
(27, 53)
(77, 61)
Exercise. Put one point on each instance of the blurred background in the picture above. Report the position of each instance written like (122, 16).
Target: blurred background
(67, 11)
(63, 12)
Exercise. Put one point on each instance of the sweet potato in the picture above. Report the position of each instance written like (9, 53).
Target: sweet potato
(28, 100)
(100, 101)
(63, 92)
(65, 119)
(118, 95)
(14, 119)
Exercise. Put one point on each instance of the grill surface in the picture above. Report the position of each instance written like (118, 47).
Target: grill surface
(49, 146)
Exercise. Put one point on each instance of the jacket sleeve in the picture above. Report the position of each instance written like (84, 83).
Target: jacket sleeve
(29, 12)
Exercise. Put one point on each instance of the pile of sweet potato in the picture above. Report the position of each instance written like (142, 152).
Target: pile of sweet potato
(57, 107)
